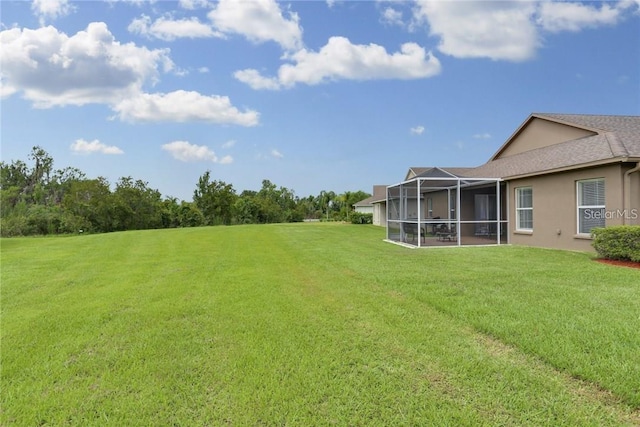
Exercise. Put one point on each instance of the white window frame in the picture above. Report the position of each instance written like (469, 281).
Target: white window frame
(580, 205)
(520, 209)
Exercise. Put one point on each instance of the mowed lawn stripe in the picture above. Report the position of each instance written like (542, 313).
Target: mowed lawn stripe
(429, 277)
(576, 314)
(260, 325)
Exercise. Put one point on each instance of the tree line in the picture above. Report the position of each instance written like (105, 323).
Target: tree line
(36, 199)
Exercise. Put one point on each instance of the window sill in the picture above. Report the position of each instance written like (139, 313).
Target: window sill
(582, 236)
(524, 232)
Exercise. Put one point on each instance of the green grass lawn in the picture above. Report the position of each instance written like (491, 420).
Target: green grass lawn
(312, 324)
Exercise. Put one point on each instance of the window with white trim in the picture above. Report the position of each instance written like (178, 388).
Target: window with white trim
(591, 207)
(524, 208)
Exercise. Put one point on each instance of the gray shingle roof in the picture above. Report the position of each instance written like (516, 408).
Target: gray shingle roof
(624, 131)
(617, 139)
(379, 195)
(431, 170)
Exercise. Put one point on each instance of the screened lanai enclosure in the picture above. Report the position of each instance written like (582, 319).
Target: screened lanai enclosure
(438, 208)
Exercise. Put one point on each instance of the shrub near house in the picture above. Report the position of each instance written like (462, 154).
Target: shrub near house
(618, 242)
(361, 218)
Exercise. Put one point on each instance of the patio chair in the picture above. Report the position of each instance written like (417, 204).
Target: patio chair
(412, 230)
(447, 233)
(434, 226)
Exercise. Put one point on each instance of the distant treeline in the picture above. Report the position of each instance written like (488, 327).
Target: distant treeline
(38, 200)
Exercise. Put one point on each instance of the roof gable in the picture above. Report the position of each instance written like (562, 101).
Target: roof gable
(379, 195)
(608, 139)
(436, 172)
(540, 131)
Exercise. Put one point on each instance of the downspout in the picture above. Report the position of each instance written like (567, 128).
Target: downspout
(419, 212)
(386, 211)
(508, 212)
(458, 213)
(626, 198)
(498, 216)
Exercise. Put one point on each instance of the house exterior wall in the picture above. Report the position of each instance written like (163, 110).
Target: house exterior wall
(542, 133)
(364, 209)
(468, 208)
(412, 208)
(555, 218)
(380, 214)
(635, 200)
(439, 204)
(633, 196)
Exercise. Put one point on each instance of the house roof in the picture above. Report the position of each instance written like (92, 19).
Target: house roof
(379, 195)
(367, 202)
(610, 139)
(615, 139)
(426, 171)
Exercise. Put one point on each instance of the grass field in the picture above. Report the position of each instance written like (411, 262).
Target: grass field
(312, 324)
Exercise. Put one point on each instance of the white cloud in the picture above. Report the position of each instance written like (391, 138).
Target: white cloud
(169, 29)
(391, 16)
(203, 70)
(555, 17)
(257, 81)
(275, 153)
(481, 29)
(194, 4)
(184, 106)
(51, 9)
(6, 90)
(187, 152)
(418, 130)
(482, 135)
(229, 144)
(138, 3)
(81, 146)
(51, 68)
(340, 59)
(508, 30)
(258, 21)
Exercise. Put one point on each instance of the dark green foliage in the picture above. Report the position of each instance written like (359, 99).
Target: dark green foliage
(361, 218)
(215, 200)
(39, 200)
(618, 242)
(136, 206)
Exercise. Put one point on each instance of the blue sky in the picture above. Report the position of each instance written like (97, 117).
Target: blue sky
(312, 95)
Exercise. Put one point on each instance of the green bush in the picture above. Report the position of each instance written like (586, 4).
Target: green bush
(361, 218)
(13, 225)
(618, 242)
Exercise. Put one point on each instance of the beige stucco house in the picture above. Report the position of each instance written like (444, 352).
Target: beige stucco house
(376, 205)
(557, 177)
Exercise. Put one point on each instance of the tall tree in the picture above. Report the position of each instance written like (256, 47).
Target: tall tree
(43, 167)
(136, 205)
(247, 209)
(91, 199)
(215, 199)
(14, 179)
